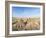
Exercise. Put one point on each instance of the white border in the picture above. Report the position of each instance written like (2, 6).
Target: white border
(24, 32)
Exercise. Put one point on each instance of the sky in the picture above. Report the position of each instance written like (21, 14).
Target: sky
(25, 11)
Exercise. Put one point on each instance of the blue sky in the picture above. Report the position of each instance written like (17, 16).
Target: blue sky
(25, 11)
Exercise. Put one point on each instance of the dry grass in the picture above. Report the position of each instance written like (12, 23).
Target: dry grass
(25, 24)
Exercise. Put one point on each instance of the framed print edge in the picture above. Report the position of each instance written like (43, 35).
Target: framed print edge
(7, 19)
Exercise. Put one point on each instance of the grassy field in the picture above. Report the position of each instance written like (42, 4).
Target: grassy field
(20, 24)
